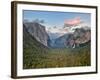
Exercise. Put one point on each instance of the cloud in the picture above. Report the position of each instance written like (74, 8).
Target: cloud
(72, 22)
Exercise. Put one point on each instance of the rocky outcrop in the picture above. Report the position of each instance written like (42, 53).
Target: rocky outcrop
(78, 37)
(82, 35)
(38, 32)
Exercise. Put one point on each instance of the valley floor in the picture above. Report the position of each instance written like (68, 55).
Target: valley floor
(65, 57)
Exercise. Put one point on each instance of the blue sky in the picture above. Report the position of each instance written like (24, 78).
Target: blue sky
(55, 18)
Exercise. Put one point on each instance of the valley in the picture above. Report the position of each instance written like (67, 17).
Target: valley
(38, 52)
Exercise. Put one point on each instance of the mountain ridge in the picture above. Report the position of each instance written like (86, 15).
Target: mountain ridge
(79, 36)
(38, 32)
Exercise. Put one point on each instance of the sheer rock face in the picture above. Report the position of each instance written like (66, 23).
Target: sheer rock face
(38, 32)
(82, 36)
(78, 37)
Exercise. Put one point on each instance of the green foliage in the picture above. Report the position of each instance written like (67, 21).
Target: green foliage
(57, 58)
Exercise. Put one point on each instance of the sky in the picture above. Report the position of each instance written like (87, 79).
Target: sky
(57, 19)
(54, 18)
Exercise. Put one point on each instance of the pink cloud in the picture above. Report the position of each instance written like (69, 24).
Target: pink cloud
(72, 22)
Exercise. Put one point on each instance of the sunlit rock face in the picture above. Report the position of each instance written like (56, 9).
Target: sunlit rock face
(38, 32)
